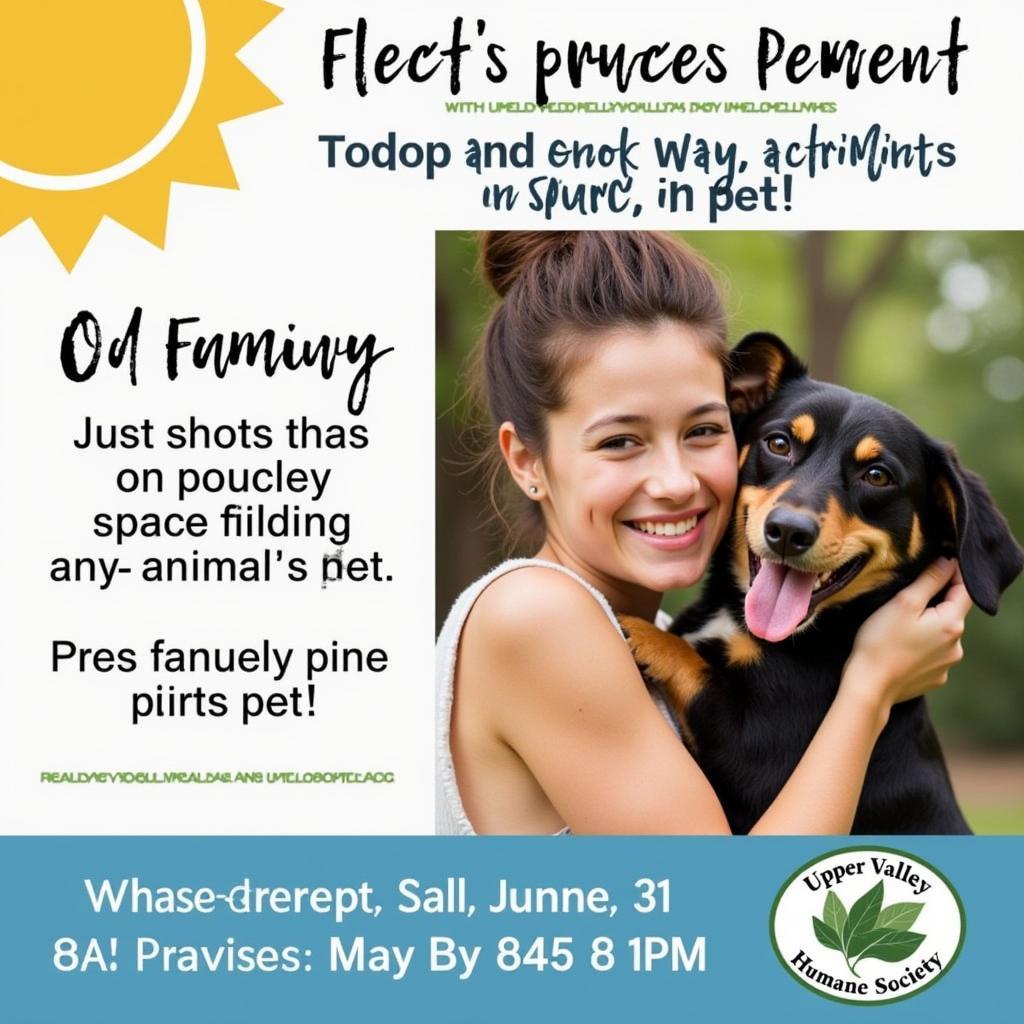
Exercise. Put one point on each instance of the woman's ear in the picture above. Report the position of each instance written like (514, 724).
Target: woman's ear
(523, 464)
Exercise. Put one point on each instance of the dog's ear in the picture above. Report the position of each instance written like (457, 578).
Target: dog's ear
(759, 365)
(990, 559)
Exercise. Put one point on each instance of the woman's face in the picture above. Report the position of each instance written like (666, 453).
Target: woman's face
(640, 469)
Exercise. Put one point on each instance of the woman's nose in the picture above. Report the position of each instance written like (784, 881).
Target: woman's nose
(671, 479)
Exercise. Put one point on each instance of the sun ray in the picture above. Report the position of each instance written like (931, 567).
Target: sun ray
(68, 222)
(242, 93)
(141, 206)
(11, 212)
(140, 200)
(207, 163)
(235, 24)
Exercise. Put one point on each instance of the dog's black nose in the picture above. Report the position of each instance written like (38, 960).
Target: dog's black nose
(789, 532)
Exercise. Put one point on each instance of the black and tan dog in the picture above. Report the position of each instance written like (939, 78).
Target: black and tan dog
(842, 501)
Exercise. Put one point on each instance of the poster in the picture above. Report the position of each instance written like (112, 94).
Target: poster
(229, 232)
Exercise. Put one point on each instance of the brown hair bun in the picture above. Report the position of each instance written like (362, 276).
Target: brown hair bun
(505, 254)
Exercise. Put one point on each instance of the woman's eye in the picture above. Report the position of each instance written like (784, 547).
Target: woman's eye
(878, 476)
(620, 443)
(706, 430)
(777, 444)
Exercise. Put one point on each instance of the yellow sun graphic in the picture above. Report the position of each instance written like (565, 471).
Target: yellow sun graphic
(104, 103)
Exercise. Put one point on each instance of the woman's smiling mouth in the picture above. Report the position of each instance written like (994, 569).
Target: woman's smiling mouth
(669, 532)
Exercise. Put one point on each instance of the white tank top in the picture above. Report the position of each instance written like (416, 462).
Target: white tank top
(449, 814)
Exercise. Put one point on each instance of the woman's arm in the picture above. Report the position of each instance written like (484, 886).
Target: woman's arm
(565, 696)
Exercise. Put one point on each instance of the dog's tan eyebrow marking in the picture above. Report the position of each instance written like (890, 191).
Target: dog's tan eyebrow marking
(916, 538)
(744, 452)
(803, 427)
(868, 448)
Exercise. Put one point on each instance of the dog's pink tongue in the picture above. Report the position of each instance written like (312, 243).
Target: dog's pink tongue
(777, 601)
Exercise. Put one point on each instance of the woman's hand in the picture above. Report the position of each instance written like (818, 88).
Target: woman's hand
(905, 649)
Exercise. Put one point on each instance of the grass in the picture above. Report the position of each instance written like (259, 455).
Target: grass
(996, 819)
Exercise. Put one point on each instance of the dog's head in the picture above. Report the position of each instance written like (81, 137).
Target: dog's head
(841, 496)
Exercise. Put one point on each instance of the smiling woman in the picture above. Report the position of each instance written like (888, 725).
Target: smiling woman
(605, 371)
(640, 467)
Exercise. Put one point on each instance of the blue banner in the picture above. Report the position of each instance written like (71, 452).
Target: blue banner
(318, 929)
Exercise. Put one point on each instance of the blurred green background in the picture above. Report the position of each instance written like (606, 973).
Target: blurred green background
(929, 322)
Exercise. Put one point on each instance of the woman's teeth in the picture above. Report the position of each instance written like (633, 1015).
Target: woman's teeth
(676, 529)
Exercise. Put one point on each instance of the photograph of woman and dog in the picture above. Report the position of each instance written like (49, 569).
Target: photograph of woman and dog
(704, 543)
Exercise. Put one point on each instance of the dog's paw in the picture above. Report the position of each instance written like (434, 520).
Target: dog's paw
(645, 641)
(667, 661)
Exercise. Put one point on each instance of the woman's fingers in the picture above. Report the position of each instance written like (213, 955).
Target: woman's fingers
(953, 609)
(957, 599)
(930, 582)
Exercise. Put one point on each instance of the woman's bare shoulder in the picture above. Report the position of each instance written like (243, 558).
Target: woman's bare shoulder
(534, 605)
(542, 639)
(548, 676)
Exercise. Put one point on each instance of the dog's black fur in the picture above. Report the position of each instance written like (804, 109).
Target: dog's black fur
(758, 704)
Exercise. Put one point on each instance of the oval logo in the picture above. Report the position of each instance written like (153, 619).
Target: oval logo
(867, 925)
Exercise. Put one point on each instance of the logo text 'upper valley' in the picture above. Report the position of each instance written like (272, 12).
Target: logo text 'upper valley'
(867, 925)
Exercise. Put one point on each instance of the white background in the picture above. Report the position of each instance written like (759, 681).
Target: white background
(342, 252)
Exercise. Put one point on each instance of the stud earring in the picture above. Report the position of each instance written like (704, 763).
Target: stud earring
(533, 489)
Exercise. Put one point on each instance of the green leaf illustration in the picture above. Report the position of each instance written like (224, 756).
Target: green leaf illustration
(885, 944)
(899, 917)
(868, 931)
(864, 940)
(827, 936)
(863, 915)
(834, 914)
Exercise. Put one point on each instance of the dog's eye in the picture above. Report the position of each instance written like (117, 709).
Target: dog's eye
(777, 444)
(878, 476)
